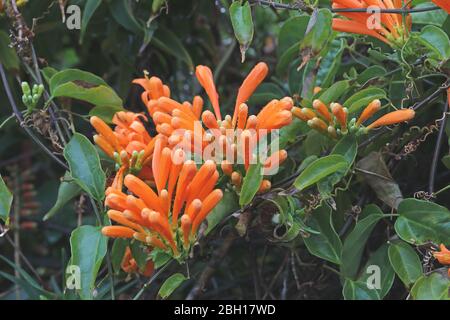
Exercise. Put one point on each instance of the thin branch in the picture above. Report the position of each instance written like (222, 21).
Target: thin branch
(437, 150)
(300, 6)
(19, 117)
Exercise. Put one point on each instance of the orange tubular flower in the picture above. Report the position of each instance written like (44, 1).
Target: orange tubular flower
(393, 118)
(391, 29)
(443, 256)
(129, 265)
(444, 4)
(319, 119)
(152, 215)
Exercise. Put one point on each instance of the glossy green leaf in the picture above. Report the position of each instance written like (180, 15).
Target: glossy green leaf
(362, 98)
(251, 183)
(6, 198)
(159, 258)
(436, 40)
(89, 9)
(291, 33)
(118, 252)
(122, 12)
(70, 75)
(320, 169)
(379, 268)
(68, 189)
(242, 22)
(88, 248)
(98, 95)
(371, 73)
(355, 242)
(326, 244)
(405, 262)
(168, 41)
(333, 93)
(84, 164)
(318, 31)
(348, 148)
(354, 290)
(329, 65)
(223, 209)
(433, 287)
(171, 283)
(421, 221)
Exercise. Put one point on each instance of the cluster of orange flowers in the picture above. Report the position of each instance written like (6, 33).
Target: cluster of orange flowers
(167, 197)
(333, 119)
(152, 217)
(183, 123)
(393, 29)
(443, 256)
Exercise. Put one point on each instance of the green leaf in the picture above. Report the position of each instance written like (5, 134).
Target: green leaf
(326, 244)
(375, 172)
(330, 64)
(223, 209)
(171, 283)
(379, 260)
(242, 22)
(85, 86)
(168, 41)
(355, 242)
(433, 287)
(88, 247)
(70, 75)
(6, 199)
(250, 186)
(84, 164)
(68, 189)
(436, 40)
(371, 73)
(118, 252)
(405, 262)
(106, 113)
(291, 33)
(354, 290)
(98, 95)
(159, 258)
(48, 73)
(435, 17)
(333, 93)
(89, 9)
(362, 98)
(8, 56)
(421, 221)
(320, 169)
(348, 148)
(319, 31)
(123, 14)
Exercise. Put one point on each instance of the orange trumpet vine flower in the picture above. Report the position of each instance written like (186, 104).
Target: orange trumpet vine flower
(444, 4)
(129, 265)
(442, 256)
(338, 124)
(390, 28)
(184, 124)
(129, 144)
(167, 216)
